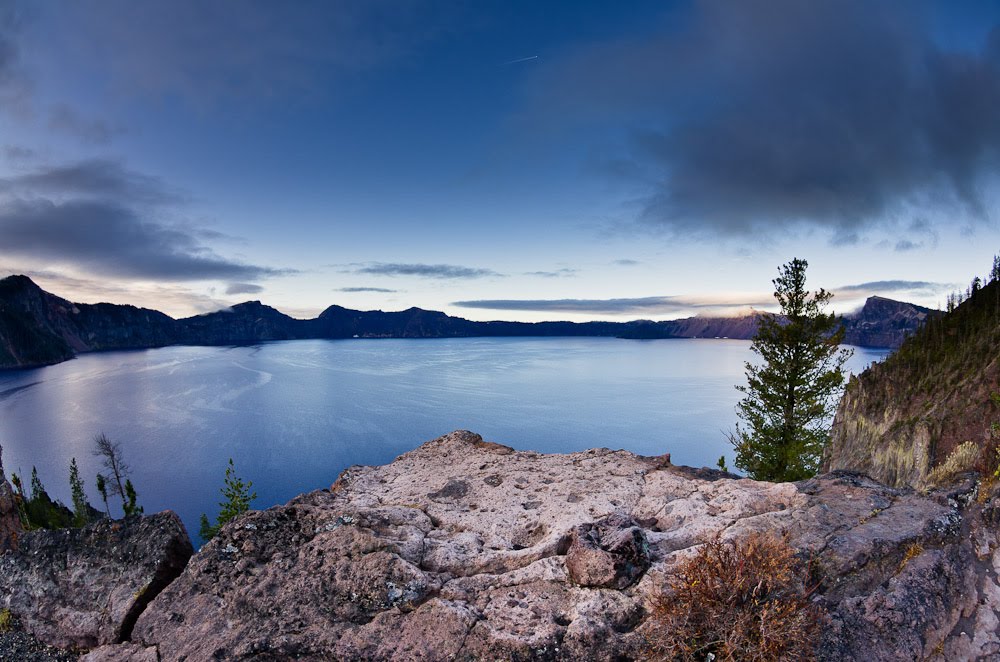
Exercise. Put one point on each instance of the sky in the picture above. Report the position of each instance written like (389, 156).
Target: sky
(498, 160)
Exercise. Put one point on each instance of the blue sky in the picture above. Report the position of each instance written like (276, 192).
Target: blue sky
(497, 160)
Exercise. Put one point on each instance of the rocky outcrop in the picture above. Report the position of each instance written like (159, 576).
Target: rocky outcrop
(80, 588)
(902, 418)
(884, 322)
(467, 550)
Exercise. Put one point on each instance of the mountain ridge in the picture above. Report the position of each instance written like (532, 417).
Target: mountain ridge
(40, 328)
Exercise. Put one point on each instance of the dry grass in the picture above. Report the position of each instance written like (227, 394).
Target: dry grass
(964, 458)
(737, 600)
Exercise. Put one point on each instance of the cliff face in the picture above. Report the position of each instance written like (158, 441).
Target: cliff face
(38, 328)
(885, 323)
(903, 417)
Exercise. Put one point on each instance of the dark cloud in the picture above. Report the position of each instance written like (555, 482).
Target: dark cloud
(93, 179)
(365, 289)
(758, 116)
(243, 288)
(904, 245)
(106, 238)
(442, 271)
(106, 219)
(558, 273)
(635, 306)
(625, 262)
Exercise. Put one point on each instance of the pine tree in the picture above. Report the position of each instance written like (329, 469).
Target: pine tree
(128, 505)
(102, 488)
(37, 489)
(790, 395)
(81, 509)
(237, 501)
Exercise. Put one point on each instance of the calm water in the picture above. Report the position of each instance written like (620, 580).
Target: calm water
(294, 414)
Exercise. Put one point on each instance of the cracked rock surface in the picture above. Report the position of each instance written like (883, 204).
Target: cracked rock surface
(80, 588)
(467, 550)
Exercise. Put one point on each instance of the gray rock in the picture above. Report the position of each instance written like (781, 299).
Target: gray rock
(432, 558)
(610, 553)
(80, 588)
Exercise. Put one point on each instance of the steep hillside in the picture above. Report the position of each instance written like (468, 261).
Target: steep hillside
(901, 418)
(39, 328)
(34, 327)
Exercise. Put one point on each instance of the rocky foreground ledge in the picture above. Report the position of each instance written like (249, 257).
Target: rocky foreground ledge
(466, 550)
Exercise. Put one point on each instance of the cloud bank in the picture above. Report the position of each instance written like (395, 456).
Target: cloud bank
(761, 116)
(103, 218)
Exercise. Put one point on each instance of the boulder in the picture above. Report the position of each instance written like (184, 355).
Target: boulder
(610, 553)
(81, 588)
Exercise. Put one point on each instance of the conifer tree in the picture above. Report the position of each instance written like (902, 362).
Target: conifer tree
(790, 391)
(129, 506)
(37, 489)
(237, 501)
(102, 489)
(81, 509)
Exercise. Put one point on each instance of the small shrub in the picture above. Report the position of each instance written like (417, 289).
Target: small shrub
(963, 458)
(737, 600)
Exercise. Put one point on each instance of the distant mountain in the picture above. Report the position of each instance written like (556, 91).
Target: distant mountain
(39, 328)
(740, 328)
(881, 323)
(903, 417)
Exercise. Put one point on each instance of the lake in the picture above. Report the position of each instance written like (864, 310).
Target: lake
(294, 414)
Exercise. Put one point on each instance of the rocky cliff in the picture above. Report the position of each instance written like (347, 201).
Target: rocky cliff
(39, 328)
(469, 550)
(904, 417)
(881, 322)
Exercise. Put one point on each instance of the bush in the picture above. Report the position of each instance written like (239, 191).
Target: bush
(737, 600)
